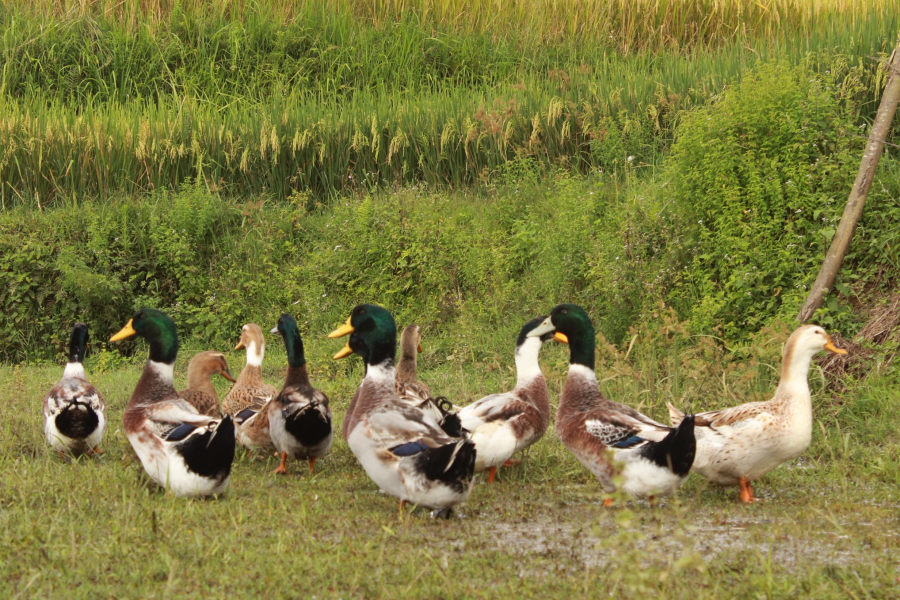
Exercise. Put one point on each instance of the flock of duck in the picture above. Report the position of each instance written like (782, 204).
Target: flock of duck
(415, 446)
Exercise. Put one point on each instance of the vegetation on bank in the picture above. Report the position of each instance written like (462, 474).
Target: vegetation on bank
(728, 233)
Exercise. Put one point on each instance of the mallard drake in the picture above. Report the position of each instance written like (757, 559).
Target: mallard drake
(503, 424)
(200, 391)
(402, 448)
(409, 388)
(74, 411)
(299, 416)
(249, 398)
(651, 458)
(182, 450)
(739, 444)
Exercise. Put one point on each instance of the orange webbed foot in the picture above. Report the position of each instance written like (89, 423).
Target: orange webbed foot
(282, 469)
(512, 462)
(747, 490)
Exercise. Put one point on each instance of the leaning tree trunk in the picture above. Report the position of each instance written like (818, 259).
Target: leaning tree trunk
(857, 198)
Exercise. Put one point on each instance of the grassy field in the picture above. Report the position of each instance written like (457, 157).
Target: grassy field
(675, 166)
(826, 527)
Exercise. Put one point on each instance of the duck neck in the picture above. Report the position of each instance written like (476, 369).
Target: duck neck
(74, 369)
(581, 351)
(200, 380)
(255, 353)
(795, 370)
(527, 367)
(408, 369)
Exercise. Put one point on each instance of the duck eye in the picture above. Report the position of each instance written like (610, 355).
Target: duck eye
(564, 311)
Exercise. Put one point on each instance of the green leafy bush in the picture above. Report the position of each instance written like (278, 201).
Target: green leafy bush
(759, 179)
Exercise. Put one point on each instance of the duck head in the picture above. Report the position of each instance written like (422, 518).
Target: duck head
(158, 329)
(571, 325)
(804, 343)
(78, 342)
(293, 343)
(206, 364)
(254, 341)
(377, 334)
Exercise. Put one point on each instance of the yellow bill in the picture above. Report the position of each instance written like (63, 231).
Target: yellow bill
(561, 337)
(126, 332)
(240, 345)
(829, 345)
(345, 329)
(344, 352)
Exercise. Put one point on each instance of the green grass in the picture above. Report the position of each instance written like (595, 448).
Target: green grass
(91, 528)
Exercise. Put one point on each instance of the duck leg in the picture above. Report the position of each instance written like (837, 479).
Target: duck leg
(96, 451)
(511, 462)
(282, 469)
(400, 508)
(492, 475)
(312, 461)
(746, 490)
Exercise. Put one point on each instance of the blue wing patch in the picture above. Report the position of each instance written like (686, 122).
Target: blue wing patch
(244, 415)
(179, 433)
(409, 449)
(629, 442)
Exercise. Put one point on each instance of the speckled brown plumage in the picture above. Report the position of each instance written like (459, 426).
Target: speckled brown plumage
(200, 392)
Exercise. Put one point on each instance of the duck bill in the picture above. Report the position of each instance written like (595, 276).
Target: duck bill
(228, 376)
(829, 345)
(561, 337)
(240, 345)
(344, 352)
(419, 348)
(345, 329)
(126, 332)
(545, 327)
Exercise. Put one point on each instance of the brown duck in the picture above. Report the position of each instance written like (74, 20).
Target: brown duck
(250, 395)
(200, 391)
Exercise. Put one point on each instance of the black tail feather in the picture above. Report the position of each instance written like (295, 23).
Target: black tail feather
(77, 420)
(676, 451)
(211, 453)
(308, 425)
(453, 464)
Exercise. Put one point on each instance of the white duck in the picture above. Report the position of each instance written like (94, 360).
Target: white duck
(506, 423)
(739, 444)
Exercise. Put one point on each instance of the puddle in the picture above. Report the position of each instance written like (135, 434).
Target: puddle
(710, 538)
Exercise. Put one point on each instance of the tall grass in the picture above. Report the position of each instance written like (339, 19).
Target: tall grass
(626, 25)
(613, 119)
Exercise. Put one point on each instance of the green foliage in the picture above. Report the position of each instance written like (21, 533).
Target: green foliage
(760, 177)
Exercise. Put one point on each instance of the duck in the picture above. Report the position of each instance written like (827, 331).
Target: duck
(200, 391)
(299, 416)
(410, 388)
(74, 411)
(610, 439)
(401, 447)
(417, 392)
(249, 398)
(505, 423)
(186, 452)
(740, 444)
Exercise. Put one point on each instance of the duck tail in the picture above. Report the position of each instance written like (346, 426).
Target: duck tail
(451, 463)
(308, 425)
(682, 447)
(675, 415)
(77, 420)
(211, 453)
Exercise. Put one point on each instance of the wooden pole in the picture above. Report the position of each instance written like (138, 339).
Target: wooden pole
(859, 192)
